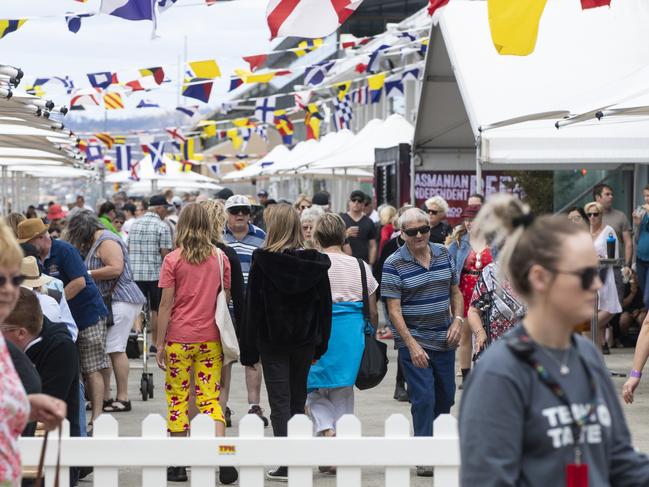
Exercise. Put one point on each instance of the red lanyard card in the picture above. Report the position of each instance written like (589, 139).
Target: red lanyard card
(577, 475)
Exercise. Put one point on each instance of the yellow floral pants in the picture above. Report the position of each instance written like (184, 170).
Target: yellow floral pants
(206, 360)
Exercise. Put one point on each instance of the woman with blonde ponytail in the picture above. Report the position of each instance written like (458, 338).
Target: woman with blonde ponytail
(539, 408)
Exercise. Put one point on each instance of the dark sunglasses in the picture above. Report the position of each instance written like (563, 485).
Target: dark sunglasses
(412, 232)
(304, 207)
(587, 275)
(357, 200)
(591, 215)
(432, 212)
(14, 280)
(239, 210)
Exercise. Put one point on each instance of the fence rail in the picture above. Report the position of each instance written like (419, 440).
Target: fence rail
(397, 452)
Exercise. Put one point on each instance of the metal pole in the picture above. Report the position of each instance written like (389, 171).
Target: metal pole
(478, 164)
(5, 175)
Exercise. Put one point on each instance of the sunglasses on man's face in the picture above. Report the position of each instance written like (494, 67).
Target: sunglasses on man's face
(15, 281)
(412, 232)
(587, 275)
(592, 215)
(432, 212)
(356, 200)
(239, 210)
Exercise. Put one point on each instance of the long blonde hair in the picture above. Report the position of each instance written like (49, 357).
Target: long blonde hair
(284, 228)
(11, 255)
(194, 233)
(216, 214)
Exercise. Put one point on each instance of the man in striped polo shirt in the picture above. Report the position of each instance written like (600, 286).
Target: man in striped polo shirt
(420, 284)
(245, 238)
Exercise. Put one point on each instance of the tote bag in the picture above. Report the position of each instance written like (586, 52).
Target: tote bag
(374, 364)
(229, 341)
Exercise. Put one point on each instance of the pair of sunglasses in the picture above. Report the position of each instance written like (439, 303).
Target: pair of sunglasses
(412, 232)
(432, 212)
(591, 215)
(15, 281)
(587, 275)
(239, 210)
(357, 200)
(303, 207)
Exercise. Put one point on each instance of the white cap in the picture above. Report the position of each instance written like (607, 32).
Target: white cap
(237, 200)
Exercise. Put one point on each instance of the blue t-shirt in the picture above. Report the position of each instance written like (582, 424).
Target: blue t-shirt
(643, 239)
(65, 263)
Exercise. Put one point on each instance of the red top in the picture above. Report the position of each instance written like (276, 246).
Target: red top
(386, 233)
(473, 266)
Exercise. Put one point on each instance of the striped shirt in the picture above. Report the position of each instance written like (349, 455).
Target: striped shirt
(244, 248)
(425, 294)
(345, 278)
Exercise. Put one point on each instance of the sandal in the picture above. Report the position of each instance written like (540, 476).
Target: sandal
(117, 406)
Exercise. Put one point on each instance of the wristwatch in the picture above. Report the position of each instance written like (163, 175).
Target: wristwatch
(459, 318)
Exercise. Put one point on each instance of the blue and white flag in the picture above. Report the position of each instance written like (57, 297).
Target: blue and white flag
(393, 86)
(128, 9)
(190, 110)
(156, 151)
(314, 75)
(412, 74)
(67, 83)
(123, 156)
(100, 80)
(147, 104)
(74, 21)
(93, 153)
(265, 110)
(373, 66)
(163, 5)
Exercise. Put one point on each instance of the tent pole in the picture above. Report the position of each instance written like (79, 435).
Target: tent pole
(5, 175)
(478, 164)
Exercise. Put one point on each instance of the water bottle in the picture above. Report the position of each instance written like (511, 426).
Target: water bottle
(610, 246)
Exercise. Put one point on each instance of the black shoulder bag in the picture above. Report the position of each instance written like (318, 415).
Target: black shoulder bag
(374, 364)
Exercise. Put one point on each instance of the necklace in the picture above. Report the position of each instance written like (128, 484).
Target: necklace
(563, 363)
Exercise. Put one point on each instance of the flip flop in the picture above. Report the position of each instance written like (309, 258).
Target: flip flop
(117, 406)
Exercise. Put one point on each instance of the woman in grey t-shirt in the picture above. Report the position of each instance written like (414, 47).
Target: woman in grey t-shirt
(540, 405)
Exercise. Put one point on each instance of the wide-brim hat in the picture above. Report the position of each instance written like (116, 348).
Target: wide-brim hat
(56, 213)
(30, 228)
(32, 274)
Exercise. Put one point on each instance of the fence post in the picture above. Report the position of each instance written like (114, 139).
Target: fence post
(447, 475)
(397, 426)
(50, 472)
(251, 426)
(105, 426)
(203, 427)
(154, 426)
(348, 426)
(300, 427)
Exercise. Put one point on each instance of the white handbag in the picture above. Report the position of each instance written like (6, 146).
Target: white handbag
(229, 341)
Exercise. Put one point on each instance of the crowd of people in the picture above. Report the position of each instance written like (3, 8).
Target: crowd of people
(505, 290)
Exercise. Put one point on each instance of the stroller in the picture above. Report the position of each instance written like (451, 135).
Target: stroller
(137, 346)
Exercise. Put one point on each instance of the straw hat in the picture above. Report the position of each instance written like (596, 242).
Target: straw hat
(33, 277)
(30, 228)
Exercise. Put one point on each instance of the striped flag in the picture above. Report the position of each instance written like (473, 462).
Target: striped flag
(106, 138)
(188, 149)
(361, 95)
(113, 101)
(123, 154)
(308, 19)
(8, 26)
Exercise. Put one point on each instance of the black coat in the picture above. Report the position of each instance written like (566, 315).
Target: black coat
(288, 303)
(57, 361)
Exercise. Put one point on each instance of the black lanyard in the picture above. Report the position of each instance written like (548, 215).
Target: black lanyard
(523, 347)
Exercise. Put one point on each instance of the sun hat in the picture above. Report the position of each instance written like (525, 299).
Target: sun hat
(237, 200)
(30, 228)
(55, 212)
(33, 277)
(158, 200)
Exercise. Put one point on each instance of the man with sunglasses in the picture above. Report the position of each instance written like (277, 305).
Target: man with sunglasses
(436, 208)
(245, 238)
(361, 231)
(425, 305)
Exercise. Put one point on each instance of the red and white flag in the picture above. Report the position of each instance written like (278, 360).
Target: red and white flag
(308, 18)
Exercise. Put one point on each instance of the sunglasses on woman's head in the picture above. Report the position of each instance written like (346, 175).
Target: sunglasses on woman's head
(16, 281)
(591, 215)
(412, 232)
(239, 210)
(587, 275)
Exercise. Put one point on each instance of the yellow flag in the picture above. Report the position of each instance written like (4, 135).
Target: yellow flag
(249, 77)
(205, 69)
(8, 26)
(376, 82)
(241, 122)
(209, 131)
(233, 135)
(515, 25)
(343, 88)
(307, 46)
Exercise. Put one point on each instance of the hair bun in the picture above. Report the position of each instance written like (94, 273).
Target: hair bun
(524, 220)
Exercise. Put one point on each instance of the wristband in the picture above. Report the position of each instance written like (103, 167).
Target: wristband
(636, 374)
(459, 318)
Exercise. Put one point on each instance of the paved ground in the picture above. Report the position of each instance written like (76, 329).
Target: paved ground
(372, 407)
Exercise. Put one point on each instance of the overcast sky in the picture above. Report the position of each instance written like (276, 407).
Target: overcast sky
(44, 47)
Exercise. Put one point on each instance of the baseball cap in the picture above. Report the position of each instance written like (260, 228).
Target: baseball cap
(158, 200)
(224, 194)
(357, 193)
(177, 201)
(237, 200)
(321, 199)
(262, 192)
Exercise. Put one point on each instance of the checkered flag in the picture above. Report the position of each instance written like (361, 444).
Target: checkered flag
(343, 113)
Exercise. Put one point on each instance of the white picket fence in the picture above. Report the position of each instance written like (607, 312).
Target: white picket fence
(253, 453)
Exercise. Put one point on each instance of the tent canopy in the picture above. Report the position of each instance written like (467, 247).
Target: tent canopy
(584, 61)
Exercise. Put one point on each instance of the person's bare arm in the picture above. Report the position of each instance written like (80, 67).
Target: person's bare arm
(457, 309)
(474, 319)
(74, 287)
(347, 248)
(374, 312)
(110, 254)
(628, 248)
(418, 355)
(372, 255)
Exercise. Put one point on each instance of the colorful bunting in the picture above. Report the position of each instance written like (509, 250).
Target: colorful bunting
(107, 139)
(157, 73)
(394, 86)
(123, 154)
(312, 122)
(308, 19)
(144, 103)
(264, 111)
(109, 164)
(204, 69)
(250, 77)
(343, 89)
(305, 47)
(235, 83)
(156, 152)
(284, 126)
(128, 9)
(233, 135)
(302, 99)
(515, 25)
(586, 4)
(142, 84)
(74, 21)
(8, 26)
(314, 75)
(176, 134)
(86, 97)
(343, 112)
(101, 80)
(135, 171)
(190, 111)
(198, 88)
(93, 153)
(255, 62)
(375, 84)
(361, 95)
(374, 64)
(187, 149)
(113, 101)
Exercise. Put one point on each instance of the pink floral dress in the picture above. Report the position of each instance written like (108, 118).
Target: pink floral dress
(14, 412)
(473, 266)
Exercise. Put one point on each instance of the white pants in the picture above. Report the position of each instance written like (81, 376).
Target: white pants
(327, 406)
(124, 315)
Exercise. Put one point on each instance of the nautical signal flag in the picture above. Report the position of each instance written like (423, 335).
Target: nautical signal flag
(235, 83)
(190, 111)
(250, 77)
(187, 149)
(186, 166)
(8, 26)
(209, 131)
(235, 138)
(284, 126)
(156, 152)
(128, 9)
(515, 25)
(157, 73)
(265, 110)
(586, 4)
(198, 88)
(144, 103)
(343, 113)
(394, 86)
(305, 47)
(109, 164)
(314, 75)
(176, 134)
(433, 5)
(306, 18)
(255, 62)
(106, 138)
(375, 84)
(93, 152)
(204, 69)
(343, 88)
(123, 153)
(74, 21)
(312, 122)
(113, 101)
(101, 80)
(86, 97)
